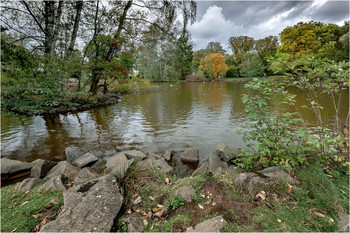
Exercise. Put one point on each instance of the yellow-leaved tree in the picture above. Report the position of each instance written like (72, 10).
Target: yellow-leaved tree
(213, 65)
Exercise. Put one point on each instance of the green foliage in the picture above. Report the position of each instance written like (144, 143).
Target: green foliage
(252, 66)
(169, 226)
(274, 136)
(19, 218)
(176, 202)
(271, 129)
(314, 39)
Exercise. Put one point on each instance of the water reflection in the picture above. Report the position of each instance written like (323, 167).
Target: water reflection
(179, 116)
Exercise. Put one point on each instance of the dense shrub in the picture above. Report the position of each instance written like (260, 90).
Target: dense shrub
(195, 78)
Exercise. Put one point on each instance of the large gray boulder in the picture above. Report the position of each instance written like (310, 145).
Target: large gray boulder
(116, 159)
(277, 172)
(86, 160)
(53, 184)
(89, 207)
(80, 157)
(226, 153)
(202, 169)
(63, 168)
(210, 225)
(135, 222)
(41, 168)
(262, 180)
(73, 153)
(182, 170)
(187, 192)
(118, 165)
(14, 170)
(28, 184)
(190, 156)
(155, 162)
(85, 175)
(166, 155)
(135, 154)
(214, 163)
(344, 223)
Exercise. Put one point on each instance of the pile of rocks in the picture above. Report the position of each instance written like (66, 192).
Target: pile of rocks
(92, 202)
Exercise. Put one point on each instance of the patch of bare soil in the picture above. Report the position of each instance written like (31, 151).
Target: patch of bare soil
(216, 202)
(48, 214)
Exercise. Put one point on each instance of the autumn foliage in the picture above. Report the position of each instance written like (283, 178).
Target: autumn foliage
(213, 65)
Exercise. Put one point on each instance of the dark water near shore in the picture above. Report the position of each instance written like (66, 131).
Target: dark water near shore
(178, 116)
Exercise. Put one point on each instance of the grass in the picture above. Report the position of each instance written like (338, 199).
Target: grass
(169, 226)
(314, 206)
(17, 216)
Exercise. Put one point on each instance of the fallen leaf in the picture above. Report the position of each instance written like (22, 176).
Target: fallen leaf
(261, 196)
(200, 206)
(342, 191)
(202, 195)
(25, 194)
(14, 230)
(134, 195)
(36, 216)
(319, 214)
(138, 211)
(13, 214)
(279, 220)
(330, 176)
(208, 197)
(145, 222)
(151, 198)
(129, 211)
(213, 203)
(143, 213)
(43, 222)
(167, 180)
(223, 175)
(24, 203)
(137, 201)
(331, 220)
(290, 188)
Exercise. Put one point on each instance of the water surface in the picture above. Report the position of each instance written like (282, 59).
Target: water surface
(178, 116)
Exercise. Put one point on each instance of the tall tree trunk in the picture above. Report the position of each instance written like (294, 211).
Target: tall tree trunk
(120, 27)
(57, 25)
(49, 16)
(78, 7)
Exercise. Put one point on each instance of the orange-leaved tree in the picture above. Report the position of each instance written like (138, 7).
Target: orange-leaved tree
(213, 65)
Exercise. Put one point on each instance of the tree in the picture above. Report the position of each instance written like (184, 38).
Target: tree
(252, 66)
(185, 55)
(241, 45)
(310, 39)
(213, 65)
(197, 57)
(215, 47)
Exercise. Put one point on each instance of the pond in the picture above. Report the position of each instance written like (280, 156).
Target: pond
(176, 117)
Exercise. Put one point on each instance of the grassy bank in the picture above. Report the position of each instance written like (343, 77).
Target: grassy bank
(22, 212)
(313, 204)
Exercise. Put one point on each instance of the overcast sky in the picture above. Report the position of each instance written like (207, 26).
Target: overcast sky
(219, 20)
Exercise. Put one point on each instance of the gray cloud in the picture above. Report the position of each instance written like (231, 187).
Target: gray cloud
(219, 20)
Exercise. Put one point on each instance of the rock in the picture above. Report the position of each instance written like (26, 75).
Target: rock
(226, 153)
(85, 175)
(344, 223)
(277, 172)
(135, 222)
(41, 168)
(86, 160)
(28, 184)
(166, 155)
(190, 156)
(155, 162)
(73, 153)
(120, 170)
(243, 179)
(182, 170)
(54, 184)
(135, 154)
(210, 225)
(14, 169)
(187, 192)
(203, 169)
(214, 163)
(63, 168)
(89, 207)
(115, 159)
